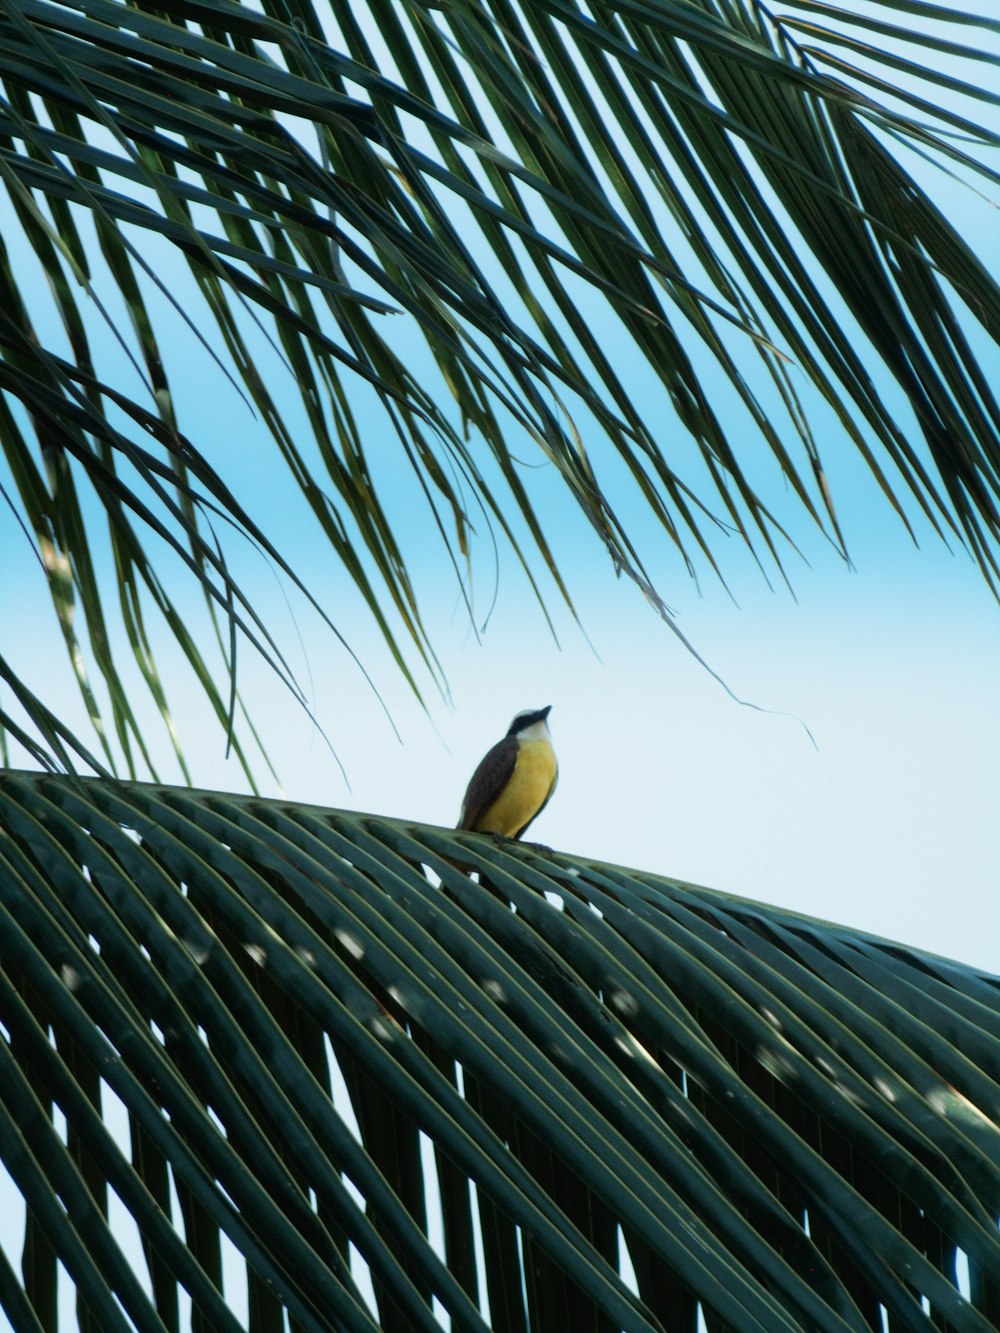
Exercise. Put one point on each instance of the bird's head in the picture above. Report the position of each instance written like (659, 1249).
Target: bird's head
(531, 724)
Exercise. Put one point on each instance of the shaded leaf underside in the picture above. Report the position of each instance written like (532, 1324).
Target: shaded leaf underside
(535, 1092)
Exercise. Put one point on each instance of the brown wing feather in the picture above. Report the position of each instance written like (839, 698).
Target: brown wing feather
(494, 770)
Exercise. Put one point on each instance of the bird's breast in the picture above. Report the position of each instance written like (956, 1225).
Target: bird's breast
(525, 793)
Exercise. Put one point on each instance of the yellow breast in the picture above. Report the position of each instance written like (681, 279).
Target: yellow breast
(524, 795)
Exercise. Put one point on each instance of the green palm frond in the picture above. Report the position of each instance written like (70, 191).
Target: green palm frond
(263, 1048)
(559, 205)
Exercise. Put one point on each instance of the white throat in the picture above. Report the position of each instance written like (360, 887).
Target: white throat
(538, 731)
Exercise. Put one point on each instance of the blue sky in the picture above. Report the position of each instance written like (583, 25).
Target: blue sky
(888, 824)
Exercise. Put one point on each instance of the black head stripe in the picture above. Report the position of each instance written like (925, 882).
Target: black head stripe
(525, 720)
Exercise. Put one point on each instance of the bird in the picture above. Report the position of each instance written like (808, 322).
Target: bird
(515, 779)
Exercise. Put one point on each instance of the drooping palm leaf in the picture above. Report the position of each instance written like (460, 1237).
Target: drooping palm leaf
(551, 195)
(254, 1046)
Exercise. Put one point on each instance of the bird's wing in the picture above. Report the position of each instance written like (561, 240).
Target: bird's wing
(489, 778)
(524, 828)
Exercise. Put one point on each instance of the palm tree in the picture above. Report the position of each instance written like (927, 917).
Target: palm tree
(271, 1066)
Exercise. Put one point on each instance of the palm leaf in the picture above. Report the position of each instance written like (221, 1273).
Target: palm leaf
(721, 191)
(313, 1057)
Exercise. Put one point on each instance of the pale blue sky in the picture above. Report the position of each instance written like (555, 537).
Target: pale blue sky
(889, 825)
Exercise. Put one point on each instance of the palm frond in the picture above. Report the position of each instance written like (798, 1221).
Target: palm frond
(551, 196)
(316, 1058)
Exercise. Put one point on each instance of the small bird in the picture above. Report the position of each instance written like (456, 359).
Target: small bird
(513, 783)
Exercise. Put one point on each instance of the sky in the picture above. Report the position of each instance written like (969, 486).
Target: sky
(861, 788)
(887, 823)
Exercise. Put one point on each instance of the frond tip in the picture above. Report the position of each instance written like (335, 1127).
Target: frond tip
(662, 249)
